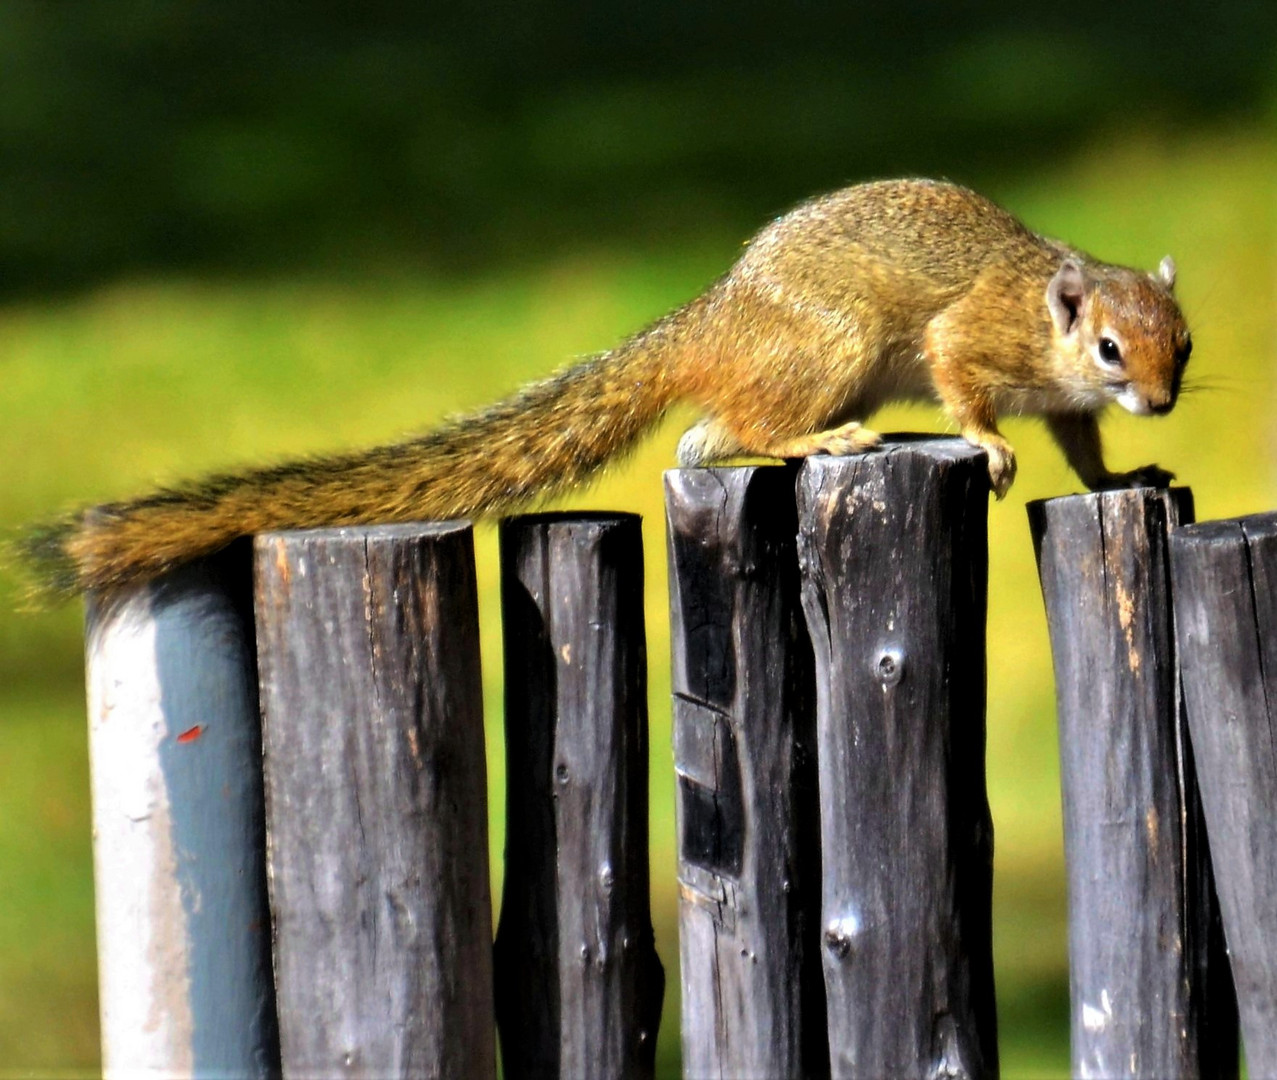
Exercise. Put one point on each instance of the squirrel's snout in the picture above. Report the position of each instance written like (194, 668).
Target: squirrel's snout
(1134, 401)
(1157, 404)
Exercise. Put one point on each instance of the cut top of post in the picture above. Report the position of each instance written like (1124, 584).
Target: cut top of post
(571, 517)
(908, 466)
(902, 450)
(1090, 506)
(417, 530)
(943, 447)
(1252, 527)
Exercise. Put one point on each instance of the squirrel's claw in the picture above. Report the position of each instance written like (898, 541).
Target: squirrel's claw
(1145, 476)
(1001, 464)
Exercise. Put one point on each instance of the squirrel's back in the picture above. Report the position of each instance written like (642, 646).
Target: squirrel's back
(906, 240)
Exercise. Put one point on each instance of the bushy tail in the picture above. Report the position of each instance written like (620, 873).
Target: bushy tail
(550, 436)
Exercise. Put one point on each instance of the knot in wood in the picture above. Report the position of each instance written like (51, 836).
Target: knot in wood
(890, 666)
(840, 936)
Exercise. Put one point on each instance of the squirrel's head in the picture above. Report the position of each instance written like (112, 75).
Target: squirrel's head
(1120, 333)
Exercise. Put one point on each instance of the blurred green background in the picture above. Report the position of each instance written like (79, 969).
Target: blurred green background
(232, 232)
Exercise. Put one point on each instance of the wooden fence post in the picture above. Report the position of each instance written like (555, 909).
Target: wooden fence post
(376, 800)
(579, 984)
(892, 548)
(744, 748)
(1149, 984)
(1225, 575)
(179, 843)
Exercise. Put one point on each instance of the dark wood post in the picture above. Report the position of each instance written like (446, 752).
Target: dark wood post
(892, 547)
(744, 748)
(376, 801)
(184, 958)
(1149, 982)
(1225, 575)
(578, 982)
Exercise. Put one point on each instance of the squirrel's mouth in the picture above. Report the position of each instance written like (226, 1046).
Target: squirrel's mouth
(1132, 400)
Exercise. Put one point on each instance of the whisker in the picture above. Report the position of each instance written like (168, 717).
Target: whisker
(1216, 384)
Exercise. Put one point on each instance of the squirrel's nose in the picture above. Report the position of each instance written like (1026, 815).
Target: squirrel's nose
(1161, 408)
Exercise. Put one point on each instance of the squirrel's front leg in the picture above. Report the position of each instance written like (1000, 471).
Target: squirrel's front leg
(1078, 435)
(978, 425)
(977, 422)
(962, 384)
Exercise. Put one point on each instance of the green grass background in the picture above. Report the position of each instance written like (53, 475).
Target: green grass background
(145, 380)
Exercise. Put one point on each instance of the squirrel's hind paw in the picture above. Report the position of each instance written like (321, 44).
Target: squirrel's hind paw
(849, 438)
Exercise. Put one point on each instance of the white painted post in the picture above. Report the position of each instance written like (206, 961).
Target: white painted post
(179, 846)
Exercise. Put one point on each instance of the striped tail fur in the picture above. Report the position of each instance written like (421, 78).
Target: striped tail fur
(550, 436)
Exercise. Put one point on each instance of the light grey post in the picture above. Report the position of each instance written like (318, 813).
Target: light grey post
(179, 849)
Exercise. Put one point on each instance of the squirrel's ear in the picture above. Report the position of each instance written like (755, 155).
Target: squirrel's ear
(1065, 294)
(1166, 273)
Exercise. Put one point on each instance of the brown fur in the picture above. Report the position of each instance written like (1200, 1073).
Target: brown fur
(898, 289)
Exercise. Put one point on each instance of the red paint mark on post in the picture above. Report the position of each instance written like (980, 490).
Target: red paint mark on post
(191, 734)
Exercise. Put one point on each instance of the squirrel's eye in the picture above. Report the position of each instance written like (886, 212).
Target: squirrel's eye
(1109, 352)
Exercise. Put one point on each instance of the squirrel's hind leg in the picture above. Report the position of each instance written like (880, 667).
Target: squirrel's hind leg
(849, 438)
(706, 442)
(710, 441)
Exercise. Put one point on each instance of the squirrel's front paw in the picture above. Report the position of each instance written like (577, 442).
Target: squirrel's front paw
(1001, 463)
(1145, 476)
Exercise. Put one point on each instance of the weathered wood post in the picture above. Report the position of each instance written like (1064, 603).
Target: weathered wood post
(893, 552)
(1225, 575)
(744, 748)
(579, 984)
(376, 800)
(179, 842)
(1149, 981)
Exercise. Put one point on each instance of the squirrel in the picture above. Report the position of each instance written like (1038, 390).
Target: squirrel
(888, 290)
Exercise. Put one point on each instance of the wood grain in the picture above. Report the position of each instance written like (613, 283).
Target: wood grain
(893, 552)
(744, 748)
(1149, 983)
(1225, 575)
(579, 985)
(376, 801)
